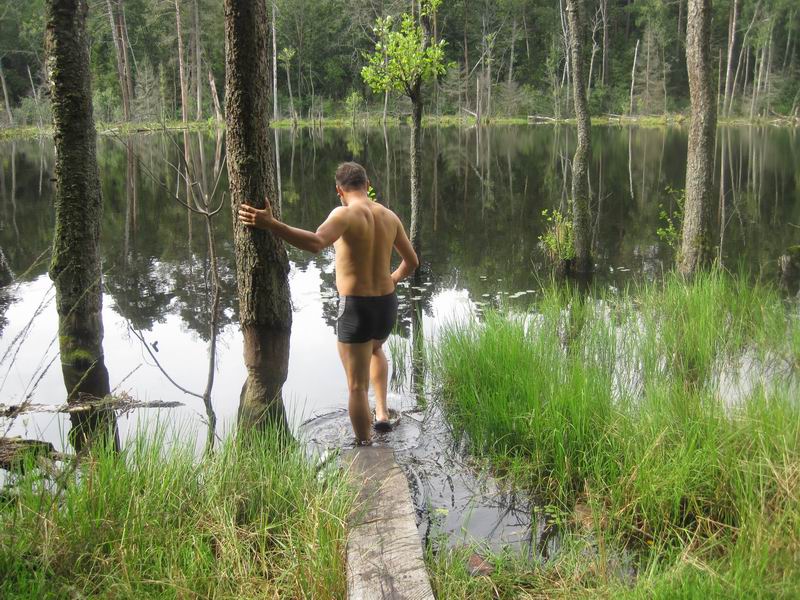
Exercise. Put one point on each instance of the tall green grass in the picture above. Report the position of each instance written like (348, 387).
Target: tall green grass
(256, 519)
(625, 403)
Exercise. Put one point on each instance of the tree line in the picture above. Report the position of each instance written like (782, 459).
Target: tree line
(154, 60)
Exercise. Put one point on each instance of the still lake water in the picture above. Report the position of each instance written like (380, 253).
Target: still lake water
(483, 195)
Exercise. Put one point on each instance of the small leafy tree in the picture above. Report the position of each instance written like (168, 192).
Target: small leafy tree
(352, 104)
(403, 59)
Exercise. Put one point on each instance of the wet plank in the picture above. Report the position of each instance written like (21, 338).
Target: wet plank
(384, 551)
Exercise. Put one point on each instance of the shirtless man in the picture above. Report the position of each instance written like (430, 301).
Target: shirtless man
(363, 234)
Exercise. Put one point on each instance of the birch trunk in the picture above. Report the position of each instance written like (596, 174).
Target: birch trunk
(633, 76)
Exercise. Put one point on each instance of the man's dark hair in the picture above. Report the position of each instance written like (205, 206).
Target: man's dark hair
(351, 176)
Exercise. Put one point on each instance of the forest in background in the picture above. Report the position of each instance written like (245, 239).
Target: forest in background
(506, 58)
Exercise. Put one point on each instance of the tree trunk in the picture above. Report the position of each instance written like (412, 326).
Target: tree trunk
(181, 65)
(75, 265)
(115, 36)
(126, 45)
(739, 62)
(212, 85)
(262, 265)
(604, 14)
(511, 58)
(580, 191)
(696, 250)
(275, 112)
(729, 69)
(5, 95)
(197, 62)
(416, 132)
(633, 76)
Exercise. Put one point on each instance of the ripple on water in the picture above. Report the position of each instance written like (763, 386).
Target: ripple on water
(456, 503)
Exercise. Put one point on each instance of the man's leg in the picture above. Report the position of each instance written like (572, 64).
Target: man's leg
(356, 362)
(379, 376)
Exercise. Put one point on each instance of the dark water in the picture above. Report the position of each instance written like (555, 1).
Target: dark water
(484, 193)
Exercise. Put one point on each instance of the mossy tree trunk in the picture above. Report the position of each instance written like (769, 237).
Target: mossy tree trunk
(261, 261)
(580, 185)
(696, 248)
(75, 266)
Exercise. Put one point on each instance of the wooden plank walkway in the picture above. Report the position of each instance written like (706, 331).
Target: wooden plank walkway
(384, 551)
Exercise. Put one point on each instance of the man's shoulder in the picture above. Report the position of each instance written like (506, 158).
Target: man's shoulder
(389, 213)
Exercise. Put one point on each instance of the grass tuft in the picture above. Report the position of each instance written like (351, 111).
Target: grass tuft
(154, 521)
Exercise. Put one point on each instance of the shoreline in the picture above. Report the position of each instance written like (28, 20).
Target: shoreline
(670, 120)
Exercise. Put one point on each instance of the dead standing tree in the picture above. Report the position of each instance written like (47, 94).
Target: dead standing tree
(580, 185)
(262, 264)
(696, 250)
(75, 266)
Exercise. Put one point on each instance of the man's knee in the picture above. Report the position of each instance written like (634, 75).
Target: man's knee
(357, 387)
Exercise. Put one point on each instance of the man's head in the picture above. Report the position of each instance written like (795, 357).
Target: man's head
(351, 177)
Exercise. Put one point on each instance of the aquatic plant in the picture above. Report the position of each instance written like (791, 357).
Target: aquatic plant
(557, 240)
(669, 409)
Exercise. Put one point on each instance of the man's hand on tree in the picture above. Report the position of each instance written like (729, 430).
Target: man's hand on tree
(254, 217)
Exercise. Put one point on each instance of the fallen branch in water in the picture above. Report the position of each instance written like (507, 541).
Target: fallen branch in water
(121, 402)
(15, 450)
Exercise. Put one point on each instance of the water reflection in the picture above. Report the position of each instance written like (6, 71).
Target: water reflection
(483, 194)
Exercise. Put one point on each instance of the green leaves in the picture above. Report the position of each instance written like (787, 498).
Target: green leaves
(403, 57)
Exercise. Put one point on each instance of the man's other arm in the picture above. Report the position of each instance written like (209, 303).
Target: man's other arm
(327, 233)
(406, 252)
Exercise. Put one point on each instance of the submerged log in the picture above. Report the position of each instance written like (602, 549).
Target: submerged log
(384, 551)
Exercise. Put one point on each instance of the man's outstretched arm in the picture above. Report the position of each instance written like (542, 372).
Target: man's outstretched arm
(327, 233)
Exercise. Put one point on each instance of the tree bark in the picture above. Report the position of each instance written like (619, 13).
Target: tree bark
(261, 262)
(580, 191)
(181, 65)
(696, 250)
(75, 265)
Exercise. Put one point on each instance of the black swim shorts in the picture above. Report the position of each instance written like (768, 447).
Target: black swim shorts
(365, 318)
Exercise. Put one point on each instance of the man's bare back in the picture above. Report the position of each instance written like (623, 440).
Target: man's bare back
(364, 251)
(363, 234)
